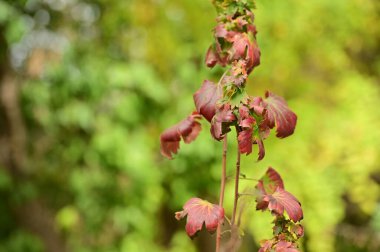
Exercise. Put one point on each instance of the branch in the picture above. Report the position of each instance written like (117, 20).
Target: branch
(14, 124)
(222, 188)
(237, 177)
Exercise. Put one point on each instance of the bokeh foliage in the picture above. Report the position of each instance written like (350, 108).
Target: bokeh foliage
(101, 79)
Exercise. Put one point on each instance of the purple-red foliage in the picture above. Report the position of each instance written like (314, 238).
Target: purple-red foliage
(235, 40)
(225, 105)
(188, 129)
(279, 115)
(200, 211)
(221, 122)
(206, 98)
(272, 196)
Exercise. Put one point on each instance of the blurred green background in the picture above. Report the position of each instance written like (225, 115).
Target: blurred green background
(88, 86)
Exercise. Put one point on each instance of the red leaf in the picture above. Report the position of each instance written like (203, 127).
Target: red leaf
(297, 229)
(233, 44)
(256, 103)
(222, 32)
(282, 200)
(188, 129)
(205, 99)
(268, 185)
(280, 246)
(279, 115)
(247, 122)
(272, 196)
(211, 57)
(240, 44)
(245, 141)
(261, 149)
(261, 204)
(266, 246)
(200, 211)
(244, 47)
(271, 180)
(236, 45)
(252, 29)
(220, 123)
(245, 119)
(285, 246)
(244, 110)
(241, 22)
(217, 53)
(253, 56)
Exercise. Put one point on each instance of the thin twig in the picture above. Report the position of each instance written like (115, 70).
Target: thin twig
(221, 78)
(222, 188)
(228, 220)
(247, 194)
(245, 178)
(237, 177)
(241, 178)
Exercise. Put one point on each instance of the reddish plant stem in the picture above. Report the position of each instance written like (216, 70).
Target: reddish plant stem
(222, 187)
(237, 177)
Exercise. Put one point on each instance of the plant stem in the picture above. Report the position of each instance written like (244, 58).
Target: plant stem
(237, 177)
(222, 187)
(247, 194)
(221, 78)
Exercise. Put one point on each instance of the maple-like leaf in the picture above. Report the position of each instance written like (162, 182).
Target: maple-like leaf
(240, 22)
(272, 196)
(232, 45)
(200, 211)
(188, 129)
(223, 33)
(244, 113)
(248, 136)
(260, 144)
(215, 55)
(297, 229)
(239, 47)
(256, 104)
(220, 31)
(282, 200)
(245, 141)
(266, 245)
(205, 99)
(220, 123)
(271, 181)
(246, 121)
(211, 57)
(252, 28)
(278, 246)
(253, 56)
(285, 246)
(279, 115)
(245, 47)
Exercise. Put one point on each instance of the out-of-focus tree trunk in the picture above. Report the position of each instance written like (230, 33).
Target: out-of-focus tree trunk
(33, 215)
